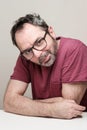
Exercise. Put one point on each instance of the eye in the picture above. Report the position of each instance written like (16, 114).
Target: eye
(27, 52)
(39, 42)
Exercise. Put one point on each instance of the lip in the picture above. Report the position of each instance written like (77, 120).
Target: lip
(46, 59)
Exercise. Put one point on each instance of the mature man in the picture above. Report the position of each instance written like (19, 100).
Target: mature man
(55, 66)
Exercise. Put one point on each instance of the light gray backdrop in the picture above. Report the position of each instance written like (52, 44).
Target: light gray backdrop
(68, 18)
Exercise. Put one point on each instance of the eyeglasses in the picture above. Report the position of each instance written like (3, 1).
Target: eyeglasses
(38, 45)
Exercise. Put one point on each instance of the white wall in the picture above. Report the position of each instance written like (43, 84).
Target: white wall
(68, 18)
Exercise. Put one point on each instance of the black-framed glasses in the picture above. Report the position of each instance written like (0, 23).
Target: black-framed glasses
(38, 45)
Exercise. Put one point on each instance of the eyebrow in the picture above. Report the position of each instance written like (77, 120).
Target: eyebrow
(25, 50)
(39, 38)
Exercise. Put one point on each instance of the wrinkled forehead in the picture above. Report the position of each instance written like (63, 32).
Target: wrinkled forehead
(28, 34)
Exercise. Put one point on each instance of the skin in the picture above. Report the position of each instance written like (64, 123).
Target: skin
(65, 107)
(74, 91)
(31, 35)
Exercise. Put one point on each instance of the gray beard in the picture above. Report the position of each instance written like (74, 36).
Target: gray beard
(50, 61)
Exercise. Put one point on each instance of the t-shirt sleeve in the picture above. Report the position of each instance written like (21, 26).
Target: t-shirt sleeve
(21, 70)
(75, 64)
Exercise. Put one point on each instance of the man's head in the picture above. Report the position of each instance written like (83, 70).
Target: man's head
(33, 19)
(35, 39)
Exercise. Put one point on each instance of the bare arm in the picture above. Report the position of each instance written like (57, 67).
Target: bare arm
(74, 91)
(16, 102)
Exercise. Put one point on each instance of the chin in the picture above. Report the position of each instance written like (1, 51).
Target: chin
(48, 64)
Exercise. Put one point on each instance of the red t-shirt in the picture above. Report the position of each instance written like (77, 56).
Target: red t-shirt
(70, 66)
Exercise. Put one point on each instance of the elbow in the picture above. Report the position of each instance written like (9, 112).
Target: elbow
(7, 103)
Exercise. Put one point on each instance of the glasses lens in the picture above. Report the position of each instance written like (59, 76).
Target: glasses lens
(28, 55)
(40, 45)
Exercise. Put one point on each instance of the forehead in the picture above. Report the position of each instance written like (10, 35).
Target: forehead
(30, 29)
(28, 34)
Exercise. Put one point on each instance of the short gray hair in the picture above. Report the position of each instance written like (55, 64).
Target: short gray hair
(34, 19)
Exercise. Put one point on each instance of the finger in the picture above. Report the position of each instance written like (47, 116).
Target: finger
(77, 114)
(79, 107)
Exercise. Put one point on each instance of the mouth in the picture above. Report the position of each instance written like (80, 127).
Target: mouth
(45, 58)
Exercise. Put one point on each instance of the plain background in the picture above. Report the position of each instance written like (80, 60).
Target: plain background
(67, 17)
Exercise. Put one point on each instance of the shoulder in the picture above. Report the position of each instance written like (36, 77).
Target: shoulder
(22, 62)
(70, 44)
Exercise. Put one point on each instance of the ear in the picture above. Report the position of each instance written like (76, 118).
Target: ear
(51, 32)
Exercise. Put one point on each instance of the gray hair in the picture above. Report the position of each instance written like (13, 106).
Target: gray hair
(33, 19)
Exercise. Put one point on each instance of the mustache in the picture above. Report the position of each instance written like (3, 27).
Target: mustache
(44, 55)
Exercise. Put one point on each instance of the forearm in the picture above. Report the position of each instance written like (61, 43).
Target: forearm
(51, 100)
(26, 106)
(58, 108)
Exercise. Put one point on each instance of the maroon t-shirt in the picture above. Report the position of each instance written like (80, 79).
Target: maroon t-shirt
(70, 66)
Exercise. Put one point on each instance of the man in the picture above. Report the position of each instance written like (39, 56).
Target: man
(56, 67)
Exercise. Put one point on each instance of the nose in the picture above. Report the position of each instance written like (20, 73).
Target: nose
(37, 53)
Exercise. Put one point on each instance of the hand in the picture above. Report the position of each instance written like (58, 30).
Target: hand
(66, 109)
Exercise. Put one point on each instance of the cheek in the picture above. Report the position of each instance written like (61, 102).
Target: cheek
(34, 60)
(49, 43)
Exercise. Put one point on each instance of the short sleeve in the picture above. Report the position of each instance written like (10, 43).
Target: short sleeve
(21, 70)
(75, 64)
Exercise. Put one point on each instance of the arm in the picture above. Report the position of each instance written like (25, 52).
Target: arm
(15, 102)
(74, 91)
